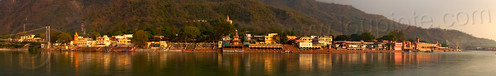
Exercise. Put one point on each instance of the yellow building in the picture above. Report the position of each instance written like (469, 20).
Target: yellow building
(306, 39)
(325, 40)
(123, 39)
(426, 46)
(82, 42)
(269, 39)
(85, 42)
(103, 41)
(29, 38)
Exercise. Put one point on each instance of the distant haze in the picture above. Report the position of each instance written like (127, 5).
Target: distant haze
(475, 17)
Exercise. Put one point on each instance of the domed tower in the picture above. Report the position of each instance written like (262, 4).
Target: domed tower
(76, 38)
(229, 20)
(236, 40)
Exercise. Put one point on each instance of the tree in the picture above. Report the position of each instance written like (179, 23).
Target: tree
(140, 38)
(64, 37)
(151, 31)
(394, 35)
(206, 33)
(53, 36)
(401, 36)
(355, 37)
(283, 37)
(444, 45)
(367, 36)
(190, 32)
(94, 35)
(291, 33)
(169, 32)
(117, 33)
(222, 28)
(342, 38)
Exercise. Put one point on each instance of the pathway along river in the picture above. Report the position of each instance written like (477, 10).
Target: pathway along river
(470, 63)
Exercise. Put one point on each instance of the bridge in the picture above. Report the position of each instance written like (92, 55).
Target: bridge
(14, 38)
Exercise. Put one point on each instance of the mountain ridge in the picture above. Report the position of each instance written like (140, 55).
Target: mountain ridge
(302, 16)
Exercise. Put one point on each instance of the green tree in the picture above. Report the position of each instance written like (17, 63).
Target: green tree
(223, 28)
(117, 33)
(283, 37)
(242, 34)
(151, 31)
(355, 37)
(53, 36)
(291, 33)
(342, 38)
(444, 45)
(367, 36)
(64, 37)
(207, 33)
(169, 32)
(190, 32)
(140, 38)
(394, 35)
(94, 35)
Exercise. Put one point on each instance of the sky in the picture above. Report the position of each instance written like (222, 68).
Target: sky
(475, 17)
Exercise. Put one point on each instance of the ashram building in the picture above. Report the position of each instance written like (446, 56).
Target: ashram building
(30, 38)
(306, 39)
(103, 41)
(80, 41)
(307, 43)
(325, 40)
(426, 46)
(269, 39)
(123, 40)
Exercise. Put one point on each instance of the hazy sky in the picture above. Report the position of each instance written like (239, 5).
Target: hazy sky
(447, 14)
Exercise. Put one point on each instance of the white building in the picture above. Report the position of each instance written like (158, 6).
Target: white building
(325, 40)
(123, 39)
(103, 41)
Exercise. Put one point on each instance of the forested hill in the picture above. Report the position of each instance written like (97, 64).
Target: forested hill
(258, 16)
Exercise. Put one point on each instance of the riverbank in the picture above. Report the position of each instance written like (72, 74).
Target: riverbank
(285, 49)
(277, 51)
(247, 50)
(14, 49)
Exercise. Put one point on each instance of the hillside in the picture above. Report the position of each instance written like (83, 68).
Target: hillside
(302, 16)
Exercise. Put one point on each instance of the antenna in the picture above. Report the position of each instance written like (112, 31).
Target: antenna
(82, 29)
(24, 28)
(24, 25)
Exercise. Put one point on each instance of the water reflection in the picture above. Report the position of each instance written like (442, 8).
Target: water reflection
(164, 63)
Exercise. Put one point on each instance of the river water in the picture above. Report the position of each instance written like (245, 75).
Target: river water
(471, 63)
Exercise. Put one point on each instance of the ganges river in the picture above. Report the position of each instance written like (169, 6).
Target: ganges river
(66, 63)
